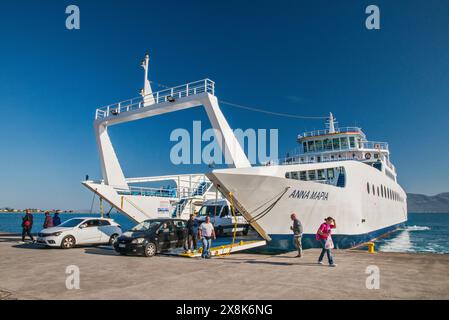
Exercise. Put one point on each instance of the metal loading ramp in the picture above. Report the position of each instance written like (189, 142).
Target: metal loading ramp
(222, 247)
(253, 223)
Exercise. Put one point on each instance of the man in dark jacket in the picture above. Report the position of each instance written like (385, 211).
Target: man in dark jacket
(297, 233)
(56, 220)
(190, 243)
(27, 225)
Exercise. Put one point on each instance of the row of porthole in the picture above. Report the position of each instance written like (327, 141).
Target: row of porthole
(383, 192)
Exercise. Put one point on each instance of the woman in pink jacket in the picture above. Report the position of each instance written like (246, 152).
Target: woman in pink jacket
(323, 235)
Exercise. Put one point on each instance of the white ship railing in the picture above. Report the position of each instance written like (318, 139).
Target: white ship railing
(364, 145)
(375, 145)
(197, 190)
(170, 94)
(326, 131)
(296, 159)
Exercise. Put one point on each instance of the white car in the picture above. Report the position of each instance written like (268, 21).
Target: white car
(80, 231)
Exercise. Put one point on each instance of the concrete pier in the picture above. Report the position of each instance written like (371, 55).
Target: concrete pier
(29, 271)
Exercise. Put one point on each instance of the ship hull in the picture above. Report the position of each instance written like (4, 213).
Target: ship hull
(270, 198)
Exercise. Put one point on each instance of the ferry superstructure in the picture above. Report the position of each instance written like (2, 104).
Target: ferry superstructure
(337, 173)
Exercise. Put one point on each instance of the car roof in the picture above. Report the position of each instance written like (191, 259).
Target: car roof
(219, 202)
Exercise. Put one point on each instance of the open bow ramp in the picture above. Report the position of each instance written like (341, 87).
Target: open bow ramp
(222, 247)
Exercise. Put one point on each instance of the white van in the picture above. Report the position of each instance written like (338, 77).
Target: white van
(221, 216)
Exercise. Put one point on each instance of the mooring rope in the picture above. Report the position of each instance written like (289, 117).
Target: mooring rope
(269, 208)
(260, 110)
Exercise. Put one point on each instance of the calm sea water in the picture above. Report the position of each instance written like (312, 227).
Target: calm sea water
(422, 233)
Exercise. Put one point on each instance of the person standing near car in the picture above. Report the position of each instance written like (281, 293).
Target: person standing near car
(206, 233)
(27, 225)
(48, 221)
(56, 219)
(190, 242)
(297, 233)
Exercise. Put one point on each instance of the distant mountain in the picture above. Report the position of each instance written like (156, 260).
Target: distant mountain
(420, 203)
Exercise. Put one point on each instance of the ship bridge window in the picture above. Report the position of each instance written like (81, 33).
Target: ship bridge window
(344, 143)
(311, 174)
(319, 145)
(367, 187)
(351, 142)
(327, 144)
(311, 146)
(374, 190)
(336, 143)
(321, 175)
(331, 176)
(304, 145)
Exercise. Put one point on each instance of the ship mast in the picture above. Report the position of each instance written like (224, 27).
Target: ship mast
(331, 123)
(146, 92)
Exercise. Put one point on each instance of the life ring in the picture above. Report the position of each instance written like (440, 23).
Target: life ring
(368, 156)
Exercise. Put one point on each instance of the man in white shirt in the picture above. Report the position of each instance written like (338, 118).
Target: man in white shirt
(206, 233)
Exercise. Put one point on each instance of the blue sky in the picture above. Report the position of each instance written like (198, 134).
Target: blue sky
(300, 57)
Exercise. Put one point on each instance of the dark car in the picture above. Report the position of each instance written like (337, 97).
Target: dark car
(152, 236)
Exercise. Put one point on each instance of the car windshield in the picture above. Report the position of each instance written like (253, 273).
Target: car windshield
(71, 223)
(209, 210)
(147, 225)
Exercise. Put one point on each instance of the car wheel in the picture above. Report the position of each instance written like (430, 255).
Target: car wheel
(68, 242)
(150, 249)
(112, 239)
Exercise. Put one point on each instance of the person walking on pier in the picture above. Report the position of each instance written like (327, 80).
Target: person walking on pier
(48, 222)
(324, 237)
(190, 243)
(297, 233)
(27, 225)
(206, 233)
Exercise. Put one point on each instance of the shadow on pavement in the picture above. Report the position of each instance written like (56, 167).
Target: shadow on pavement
(104, 251)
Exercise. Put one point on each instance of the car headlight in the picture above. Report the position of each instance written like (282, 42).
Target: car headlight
(55, 234)
(138, 240)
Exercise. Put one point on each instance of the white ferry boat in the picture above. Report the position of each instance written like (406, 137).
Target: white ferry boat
(337, 173)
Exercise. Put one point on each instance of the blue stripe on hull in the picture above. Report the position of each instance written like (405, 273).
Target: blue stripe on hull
(284, 242)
